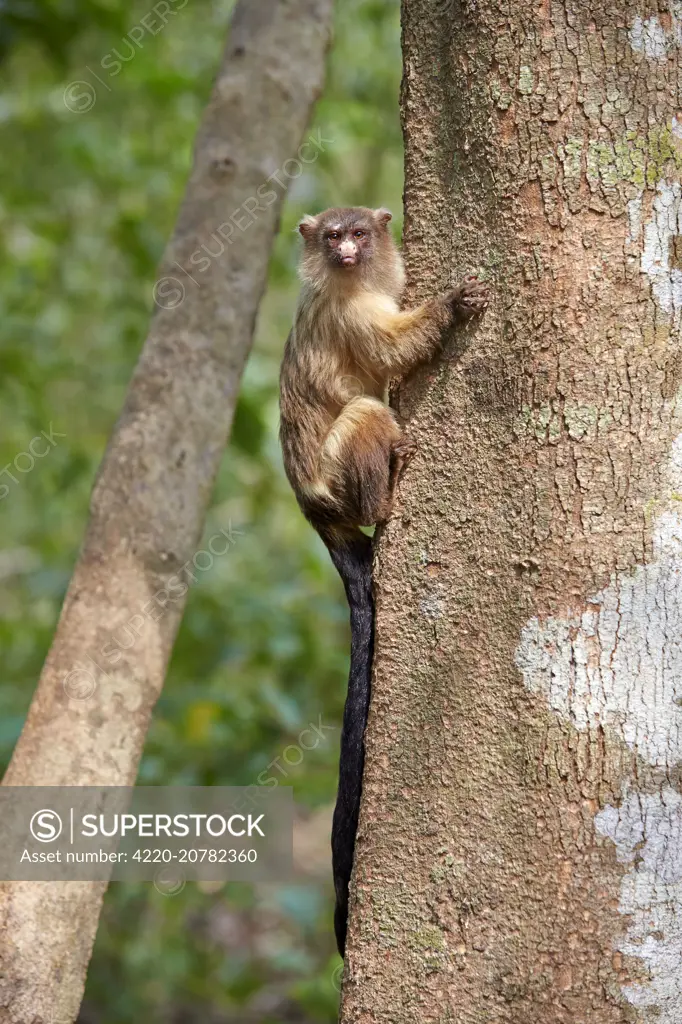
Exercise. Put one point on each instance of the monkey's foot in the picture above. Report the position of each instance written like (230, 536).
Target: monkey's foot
(471, 297)
(403, 452)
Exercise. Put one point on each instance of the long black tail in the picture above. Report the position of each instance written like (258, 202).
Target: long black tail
(352, 557)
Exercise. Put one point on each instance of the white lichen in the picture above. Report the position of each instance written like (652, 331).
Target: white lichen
(660, 231)
(617, 665)
(649, 37)
(647, 832)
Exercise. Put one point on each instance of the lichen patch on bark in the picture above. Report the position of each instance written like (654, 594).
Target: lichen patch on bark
(646, 830)
(616, 666)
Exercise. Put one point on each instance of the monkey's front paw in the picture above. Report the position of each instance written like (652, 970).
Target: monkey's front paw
(470, 298)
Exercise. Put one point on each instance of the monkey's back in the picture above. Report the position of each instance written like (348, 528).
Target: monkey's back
(305, 416)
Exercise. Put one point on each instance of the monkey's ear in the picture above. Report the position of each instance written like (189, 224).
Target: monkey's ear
(383, 216)
(307, 227)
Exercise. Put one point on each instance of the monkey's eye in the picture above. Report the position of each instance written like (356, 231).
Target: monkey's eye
(359, 233)
(333, 235)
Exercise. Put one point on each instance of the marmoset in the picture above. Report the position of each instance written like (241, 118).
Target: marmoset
(343, 447)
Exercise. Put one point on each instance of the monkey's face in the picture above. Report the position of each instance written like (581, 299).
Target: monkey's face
(348, 245)
(347, 238)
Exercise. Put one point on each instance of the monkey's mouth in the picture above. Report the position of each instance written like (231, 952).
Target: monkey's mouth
(349, 261)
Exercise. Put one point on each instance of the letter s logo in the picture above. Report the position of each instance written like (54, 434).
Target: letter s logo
(46, 826)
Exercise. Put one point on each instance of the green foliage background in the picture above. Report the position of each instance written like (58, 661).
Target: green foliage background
(89, 198)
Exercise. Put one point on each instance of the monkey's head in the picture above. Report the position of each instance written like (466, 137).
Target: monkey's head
(350, 243)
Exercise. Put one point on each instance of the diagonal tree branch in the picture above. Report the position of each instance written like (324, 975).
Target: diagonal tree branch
(150, 499)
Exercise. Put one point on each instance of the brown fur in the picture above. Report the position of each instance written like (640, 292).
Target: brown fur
(342, 447)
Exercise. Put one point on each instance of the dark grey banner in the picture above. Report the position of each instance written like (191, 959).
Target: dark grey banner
(164, 834)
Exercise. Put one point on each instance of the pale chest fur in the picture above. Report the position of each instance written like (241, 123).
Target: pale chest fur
(344, 333)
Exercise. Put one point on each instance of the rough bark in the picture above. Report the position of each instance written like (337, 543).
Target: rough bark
(520, 847)
(150, 498)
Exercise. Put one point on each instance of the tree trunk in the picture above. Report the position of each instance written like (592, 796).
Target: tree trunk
(520, 847)
(90, 714)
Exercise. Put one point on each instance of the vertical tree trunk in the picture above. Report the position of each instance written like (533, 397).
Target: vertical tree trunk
(90, 714)
(520, 848)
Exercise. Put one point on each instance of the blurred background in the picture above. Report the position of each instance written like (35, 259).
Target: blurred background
(93, 167)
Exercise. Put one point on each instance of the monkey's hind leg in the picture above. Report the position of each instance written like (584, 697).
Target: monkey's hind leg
(356, 460)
